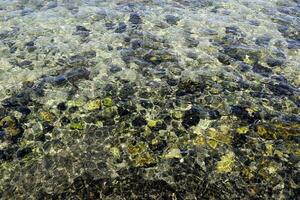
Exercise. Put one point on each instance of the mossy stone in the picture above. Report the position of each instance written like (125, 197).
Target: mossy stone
(46, 116)
(152, 123)
(77, 125)
(107, 102)
(93, 105)
(226, 163)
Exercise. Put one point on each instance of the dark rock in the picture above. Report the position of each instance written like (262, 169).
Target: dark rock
(59, 80)
(192, 55)
(281, 89)
(242, 113)
(186, 87)
(13, 49)
(139, 121)
(243, 67)
(135, 44)
(29, 44)
(24, 110)
(146, 103)
(62, 106)
(263, 40)
(25, 64)
(78, 183)
(123, 111)
(21, 153)
(47, 127)
(160, 147)
(127, 39)
(4, 155)
(192, 42)
(135, 18)
(114, 69)
(254, 23)
(77, 61)
(82, 28)
(191, 117)
(64, 121)
(109, 26)
(214, 114)
(110, 48)
(264, 71)
(82, 31)
(40, 137)
(233, 30)
(238, 141)
(73, 109)
(2, 134)
(272, 62)
(172, 82)
(224, 59)
(171, 19)
(293, 44)
(89, 54)
(76, 74)
(121, 28)
(127, 91)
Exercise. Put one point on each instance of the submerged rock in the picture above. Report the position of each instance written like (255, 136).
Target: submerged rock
(171, 19)
(192, 117)
(135, 18)
(121, 28)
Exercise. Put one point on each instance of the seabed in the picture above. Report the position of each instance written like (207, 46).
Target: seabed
(155, 100)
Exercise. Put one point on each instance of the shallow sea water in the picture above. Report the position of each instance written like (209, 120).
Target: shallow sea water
(161, 99)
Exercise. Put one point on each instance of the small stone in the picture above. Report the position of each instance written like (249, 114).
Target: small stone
(200, 141)
(272, 62)
(115, 152)
(135, 44)
(62, 106)
(23, 152)
(8, 121)
(93, 105)
(173, 153)
(25, 64)
(172, 82)
(177, 114)
(139, 121)
(64, 121)
(121, 28)
(47, 127)
(114, 69)
(146, 103)
(214, 114)
(77, 125)
(82, 28)
(152, 123)
(226, 163)
(261, 130)
(135, 18)
(24, 110)
(2, 134)
(264, 71)
(46, 116)
(263, 40)
(143, 160)
(107, 102)
(109, 25)
(191, 117)
(171, 19)
(242, 130)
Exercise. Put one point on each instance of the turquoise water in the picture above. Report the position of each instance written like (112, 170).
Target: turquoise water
(182, 99)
